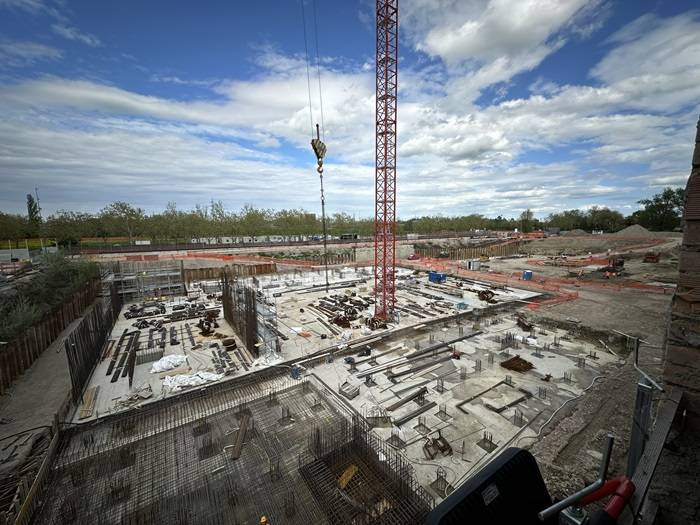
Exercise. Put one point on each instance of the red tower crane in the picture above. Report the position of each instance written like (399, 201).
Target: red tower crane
(385, 166)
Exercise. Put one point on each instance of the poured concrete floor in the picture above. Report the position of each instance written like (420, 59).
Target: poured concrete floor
(284, 296)
(508, 406)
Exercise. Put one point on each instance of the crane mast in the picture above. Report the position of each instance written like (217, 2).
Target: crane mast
(385, 165)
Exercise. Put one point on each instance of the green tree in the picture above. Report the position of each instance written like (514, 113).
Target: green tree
(662, 212)
(604, 219)
(526, 221)
(33, 216)
(568, 220)
(12, 228)
(121, 217)
(67, 227)
(218, 218)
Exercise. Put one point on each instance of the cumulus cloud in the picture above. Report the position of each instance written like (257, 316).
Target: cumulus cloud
(486, 42)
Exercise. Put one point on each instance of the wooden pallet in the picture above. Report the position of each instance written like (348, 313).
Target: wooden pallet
(89, 400)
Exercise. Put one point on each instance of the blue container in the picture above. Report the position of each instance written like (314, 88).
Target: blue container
(437, 277)
(527, 275)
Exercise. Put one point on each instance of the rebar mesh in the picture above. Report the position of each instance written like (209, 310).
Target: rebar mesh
(167, 463)
(383, 488)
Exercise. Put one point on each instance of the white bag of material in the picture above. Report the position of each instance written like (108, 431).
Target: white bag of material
(168, 362)
(346, 335)
(181, 381)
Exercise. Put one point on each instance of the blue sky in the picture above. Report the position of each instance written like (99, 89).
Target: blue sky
(547, 104)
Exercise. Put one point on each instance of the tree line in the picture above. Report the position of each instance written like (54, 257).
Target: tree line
(661, 212)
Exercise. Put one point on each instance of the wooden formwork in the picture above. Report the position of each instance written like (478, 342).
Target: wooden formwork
(503, 249)
(190, 275)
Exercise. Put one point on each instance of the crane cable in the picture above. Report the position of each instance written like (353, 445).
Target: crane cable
(318, 73)
(308, 74)
(308, 68)
(317, 143)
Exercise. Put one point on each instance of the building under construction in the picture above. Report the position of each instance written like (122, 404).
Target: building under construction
(357, 396)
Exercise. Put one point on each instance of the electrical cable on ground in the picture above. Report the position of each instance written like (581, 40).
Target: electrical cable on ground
(558, 409)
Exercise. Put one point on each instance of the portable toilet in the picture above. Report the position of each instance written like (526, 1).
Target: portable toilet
(527, 275)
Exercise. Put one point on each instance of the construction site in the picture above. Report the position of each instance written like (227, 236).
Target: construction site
(487, 378)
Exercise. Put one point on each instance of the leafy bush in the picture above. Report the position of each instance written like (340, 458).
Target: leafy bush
(30, 300)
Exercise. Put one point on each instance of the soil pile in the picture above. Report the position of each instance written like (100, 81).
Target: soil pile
(635, 231)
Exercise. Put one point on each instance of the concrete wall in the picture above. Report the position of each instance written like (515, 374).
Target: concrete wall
(682, 366)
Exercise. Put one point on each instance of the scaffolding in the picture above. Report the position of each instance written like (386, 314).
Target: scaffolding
(139, 281)
(174, 461)
(241, 310)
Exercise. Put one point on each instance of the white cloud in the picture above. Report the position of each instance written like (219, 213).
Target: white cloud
(656, 64)
(20, 54)
(33, 7)
(71, 33)
(502, 29)
(254, 104)
(453, 157)
(174, 79)
(485, 42)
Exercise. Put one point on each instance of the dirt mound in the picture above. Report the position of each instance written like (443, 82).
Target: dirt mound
(575, 233)
(635, 231)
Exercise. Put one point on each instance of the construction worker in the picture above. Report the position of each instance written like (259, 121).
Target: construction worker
(264, 520)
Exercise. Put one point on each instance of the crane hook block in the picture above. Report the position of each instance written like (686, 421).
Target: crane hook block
(319, 149)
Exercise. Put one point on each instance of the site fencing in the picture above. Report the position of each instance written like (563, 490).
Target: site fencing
(19, 354)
